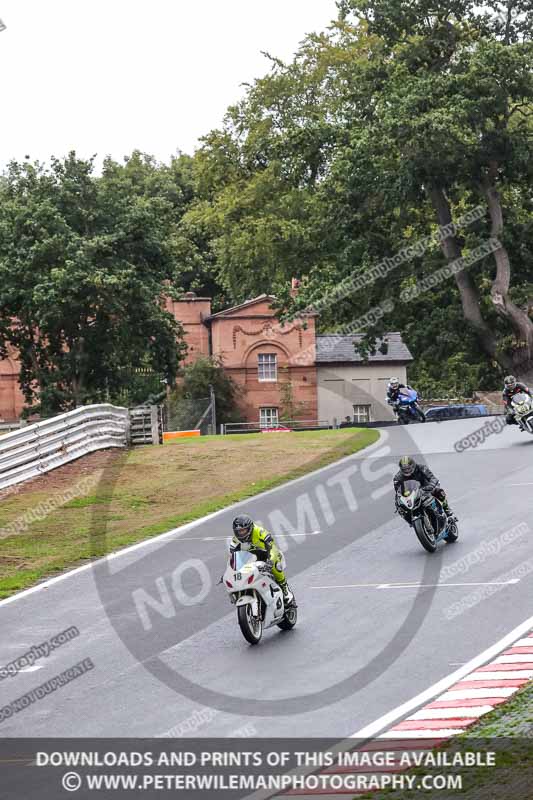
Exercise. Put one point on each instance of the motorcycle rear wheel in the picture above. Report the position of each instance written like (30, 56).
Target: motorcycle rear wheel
(289, 620)
(427, 541)
(251, 627)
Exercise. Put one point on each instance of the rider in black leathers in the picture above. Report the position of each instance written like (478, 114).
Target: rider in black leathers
(411, 471)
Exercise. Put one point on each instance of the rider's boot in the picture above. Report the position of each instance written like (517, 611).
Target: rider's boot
(288, 596)
(449, 513)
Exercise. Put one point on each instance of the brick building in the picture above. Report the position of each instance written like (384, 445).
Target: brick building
(11, 399)
(260, 355)
(281, 369)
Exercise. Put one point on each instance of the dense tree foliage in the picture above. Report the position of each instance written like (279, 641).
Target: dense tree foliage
(83, 265)
(401, 118)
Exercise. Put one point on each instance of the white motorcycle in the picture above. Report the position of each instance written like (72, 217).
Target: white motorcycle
(522, 406)
(257, 596)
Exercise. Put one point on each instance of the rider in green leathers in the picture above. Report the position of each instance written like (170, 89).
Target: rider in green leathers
(249, 536)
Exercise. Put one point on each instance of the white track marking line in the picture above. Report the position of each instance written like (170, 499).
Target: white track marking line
(501, 676)
(403, 710)
(459, 712)
(445, 733)
(33, 668)
(474, 694)
(225, 538)
(527, 642)
(408, 585)
(519, 658)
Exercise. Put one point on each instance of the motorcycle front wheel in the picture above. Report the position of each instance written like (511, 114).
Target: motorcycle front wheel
(453, 534)
(426, 539)
(251, 627)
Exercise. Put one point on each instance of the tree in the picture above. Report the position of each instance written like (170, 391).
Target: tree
(450, 114)
(84, 263)
(194, 385)
(400, 119)
(290, 408)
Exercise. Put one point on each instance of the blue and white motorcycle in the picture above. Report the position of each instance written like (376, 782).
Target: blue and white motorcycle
(426, 515)
(407, 407)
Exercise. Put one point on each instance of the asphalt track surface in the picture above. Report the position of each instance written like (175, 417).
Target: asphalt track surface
(380, 619)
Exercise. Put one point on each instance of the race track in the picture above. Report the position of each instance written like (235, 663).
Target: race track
(380, 619)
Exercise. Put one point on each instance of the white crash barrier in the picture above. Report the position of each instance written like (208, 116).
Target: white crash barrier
(43, 446)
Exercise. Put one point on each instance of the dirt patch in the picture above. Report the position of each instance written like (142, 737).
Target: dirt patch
(64, 476)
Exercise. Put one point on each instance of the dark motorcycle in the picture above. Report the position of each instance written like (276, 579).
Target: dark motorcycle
(426, 515)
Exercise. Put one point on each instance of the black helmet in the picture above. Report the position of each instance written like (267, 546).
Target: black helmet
(243, 527)
(510, 381)
(407, 466)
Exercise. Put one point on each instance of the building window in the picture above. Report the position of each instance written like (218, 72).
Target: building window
(361, 414)
(268, 417)
(267, 367)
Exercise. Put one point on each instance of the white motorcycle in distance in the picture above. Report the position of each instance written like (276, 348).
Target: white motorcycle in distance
(257, 596)
(522, 405)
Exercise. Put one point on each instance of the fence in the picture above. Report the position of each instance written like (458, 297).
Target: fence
(186, 414)
(146, 425)
(43, 446)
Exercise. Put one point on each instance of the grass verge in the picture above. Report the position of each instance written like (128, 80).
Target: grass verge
(56, 522)
(508, 732)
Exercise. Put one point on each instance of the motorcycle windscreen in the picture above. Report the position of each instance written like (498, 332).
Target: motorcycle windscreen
(410, 486)
(520, 398)
(407, 396)
(240, 558)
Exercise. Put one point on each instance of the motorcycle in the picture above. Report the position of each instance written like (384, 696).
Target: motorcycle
(407, 407)
(257, 596)
(426, 515)
(522, 406)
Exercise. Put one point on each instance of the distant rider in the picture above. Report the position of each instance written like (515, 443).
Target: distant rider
(249, 536)
(411, 471)
(512, 387)
(393, 391)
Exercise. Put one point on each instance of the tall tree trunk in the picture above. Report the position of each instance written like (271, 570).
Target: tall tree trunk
(518, 318)
(521, 360)
(467, 288)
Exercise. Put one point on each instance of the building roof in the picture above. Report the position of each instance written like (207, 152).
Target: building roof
(334, 348)
(228, 311)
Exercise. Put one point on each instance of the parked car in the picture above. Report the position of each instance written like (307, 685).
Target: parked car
(457, 411)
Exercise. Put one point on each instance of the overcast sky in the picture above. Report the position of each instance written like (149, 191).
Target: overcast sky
(108, 76)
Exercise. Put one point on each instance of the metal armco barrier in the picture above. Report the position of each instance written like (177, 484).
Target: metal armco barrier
(43, 446)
